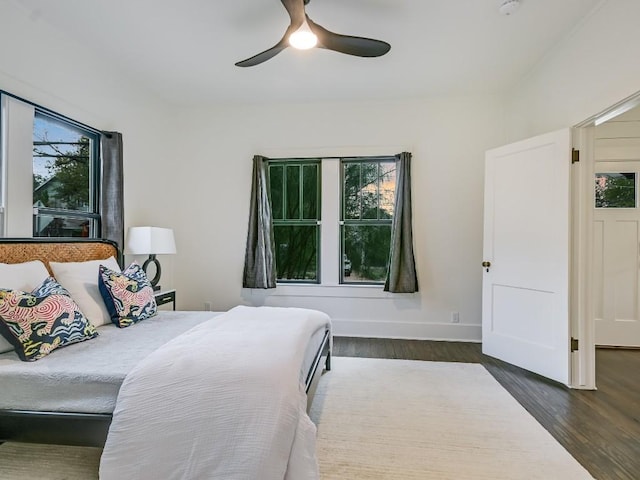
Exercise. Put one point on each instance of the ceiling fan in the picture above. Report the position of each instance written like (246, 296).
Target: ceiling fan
(303, 33)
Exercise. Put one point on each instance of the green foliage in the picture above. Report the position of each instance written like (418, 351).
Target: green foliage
(368, 192)
(68, 183)
(296, 252)
(368, 212)
(295, 202)
(41, 195)
(615, 190)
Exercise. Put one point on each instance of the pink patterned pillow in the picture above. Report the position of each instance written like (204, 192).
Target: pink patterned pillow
(128, 295)
(37, 323)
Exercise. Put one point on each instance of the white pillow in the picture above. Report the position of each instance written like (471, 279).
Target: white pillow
(21, 276)
(81, 280)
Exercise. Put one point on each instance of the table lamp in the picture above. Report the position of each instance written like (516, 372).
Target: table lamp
(151, 241)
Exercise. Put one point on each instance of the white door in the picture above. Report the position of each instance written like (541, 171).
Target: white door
(616, 261)
(525, 290)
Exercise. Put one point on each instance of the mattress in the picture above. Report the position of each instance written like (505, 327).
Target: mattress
(86, 377)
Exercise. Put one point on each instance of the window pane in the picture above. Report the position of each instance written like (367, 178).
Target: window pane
(366, 253)
(296, 252)
(276, 185)
(369, 194)
(387, 189)
(61, 226)
(62, 156)
(615, 190)
(295, 184)
(369, 190)
(293, 192)
(310, 192)
(351, 190)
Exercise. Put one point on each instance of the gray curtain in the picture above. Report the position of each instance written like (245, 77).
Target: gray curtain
(401, 276)
(259, 260)
(112, 188)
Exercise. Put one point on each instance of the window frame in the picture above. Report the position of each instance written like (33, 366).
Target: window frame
(329, 281)
(301, 221)
(343, 221)
(95, 174)
(93, 216)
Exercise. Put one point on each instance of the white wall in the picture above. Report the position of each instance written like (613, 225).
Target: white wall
(191, 169)
(42, 65)
(595, 67)
(447, 137)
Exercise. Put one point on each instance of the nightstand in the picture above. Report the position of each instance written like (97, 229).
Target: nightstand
(168, 296)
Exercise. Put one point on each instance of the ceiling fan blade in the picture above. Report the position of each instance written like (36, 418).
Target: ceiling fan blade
(263, 56)
(358, 46)
(295, 9)
(267, 54)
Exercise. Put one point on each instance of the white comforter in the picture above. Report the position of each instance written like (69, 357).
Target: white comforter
(224, 400)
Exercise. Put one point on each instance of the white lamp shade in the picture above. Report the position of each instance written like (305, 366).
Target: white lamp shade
(150, 241)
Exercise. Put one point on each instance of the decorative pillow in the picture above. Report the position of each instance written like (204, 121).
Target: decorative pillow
(20, 276)
(81, 280)
(128, 295)
(37, 323)
(23, 276)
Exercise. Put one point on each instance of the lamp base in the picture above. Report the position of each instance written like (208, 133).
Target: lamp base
(154, 281)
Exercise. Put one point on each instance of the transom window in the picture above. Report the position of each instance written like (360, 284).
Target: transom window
(65, 178)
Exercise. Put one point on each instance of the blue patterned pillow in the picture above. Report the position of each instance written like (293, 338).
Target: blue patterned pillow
(37, 323)
(128, 295)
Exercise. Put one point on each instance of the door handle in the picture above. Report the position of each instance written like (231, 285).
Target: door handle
(486, 265)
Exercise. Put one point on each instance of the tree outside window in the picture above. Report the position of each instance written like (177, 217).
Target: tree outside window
(368, 200)
(64, 179)
(615, 190)
(367, 207)
(295, 203)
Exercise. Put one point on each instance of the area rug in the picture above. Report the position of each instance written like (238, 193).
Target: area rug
(385, 419)
(412, 420)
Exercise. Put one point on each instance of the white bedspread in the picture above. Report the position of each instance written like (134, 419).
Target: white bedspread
(224, 400)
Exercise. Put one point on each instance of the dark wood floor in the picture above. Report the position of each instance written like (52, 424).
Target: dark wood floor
(601, 429)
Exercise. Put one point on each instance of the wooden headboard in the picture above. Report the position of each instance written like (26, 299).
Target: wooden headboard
(18, 250)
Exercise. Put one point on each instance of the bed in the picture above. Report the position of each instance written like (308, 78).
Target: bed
(76, 394)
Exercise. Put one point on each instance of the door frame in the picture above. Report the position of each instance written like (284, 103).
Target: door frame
(581, 317)
(581, 320)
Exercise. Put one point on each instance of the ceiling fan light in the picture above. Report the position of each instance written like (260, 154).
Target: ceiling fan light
(303, 38)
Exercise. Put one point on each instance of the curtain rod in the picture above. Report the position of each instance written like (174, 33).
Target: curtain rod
(56, 114)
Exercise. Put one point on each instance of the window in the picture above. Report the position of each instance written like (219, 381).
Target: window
(295, 202)
(65, 178)
(355, 231)
(615, 190)
(368, 191)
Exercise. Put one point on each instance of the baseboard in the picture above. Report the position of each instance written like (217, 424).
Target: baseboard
(407, 330)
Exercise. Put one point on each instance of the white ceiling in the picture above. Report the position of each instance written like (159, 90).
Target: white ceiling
(185, 50)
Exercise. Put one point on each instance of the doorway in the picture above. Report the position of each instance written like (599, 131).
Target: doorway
(616, 231)
(619, 258)
(607, 143)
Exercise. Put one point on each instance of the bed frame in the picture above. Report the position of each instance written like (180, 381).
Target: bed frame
(87, 429)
